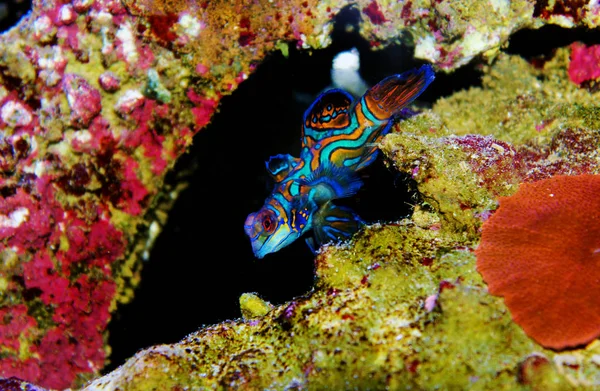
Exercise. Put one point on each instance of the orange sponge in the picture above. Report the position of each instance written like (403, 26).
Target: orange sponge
(541, 252)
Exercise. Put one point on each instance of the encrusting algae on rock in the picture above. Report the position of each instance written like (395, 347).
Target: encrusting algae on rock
(252, 306)
(536, 124)
(83, 152)
(400, 308)
(365, 326)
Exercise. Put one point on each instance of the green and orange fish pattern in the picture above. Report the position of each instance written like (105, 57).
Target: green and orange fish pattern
(339, 138)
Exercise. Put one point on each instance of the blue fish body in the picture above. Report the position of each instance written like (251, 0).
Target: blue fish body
(339, 138)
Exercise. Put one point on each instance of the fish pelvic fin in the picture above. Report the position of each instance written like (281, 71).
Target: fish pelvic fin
(334, 223)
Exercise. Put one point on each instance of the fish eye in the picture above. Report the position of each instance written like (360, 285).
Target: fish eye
(269, 223)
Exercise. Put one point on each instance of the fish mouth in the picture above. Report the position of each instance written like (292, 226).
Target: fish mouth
(260, 249)
(257, 249)
(272, 244)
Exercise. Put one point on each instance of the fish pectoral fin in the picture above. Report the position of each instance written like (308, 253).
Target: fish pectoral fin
(279, 166)
(330, 182)
(335, 223)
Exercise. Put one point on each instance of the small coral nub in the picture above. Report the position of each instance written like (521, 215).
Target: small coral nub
(84, 100)
(585, 63)
(374, 13)
(541, 251)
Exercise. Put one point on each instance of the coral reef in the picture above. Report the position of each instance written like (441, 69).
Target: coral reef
(99, 98)
(446, 33)
(83, 149)
(402, 306)
(540, 253)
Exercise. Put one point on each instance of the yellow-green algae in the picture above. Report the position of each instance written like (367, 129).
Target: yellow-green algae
(364, 327)
(252, 306)
(520, 103)
(527, 110)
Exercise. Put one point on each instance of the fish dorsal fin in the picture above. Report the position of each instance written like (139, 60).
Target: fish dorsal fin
(328, 113)
(329, 182)
(279, 166)
(389, 96)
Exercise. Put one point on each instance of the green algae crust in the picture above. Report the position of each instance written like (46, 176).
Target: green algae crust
(252, 306)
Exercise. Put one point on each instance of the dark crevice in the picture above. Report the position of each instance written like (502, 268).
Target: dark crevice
(11, 11)
(202, 261)
(543, 42)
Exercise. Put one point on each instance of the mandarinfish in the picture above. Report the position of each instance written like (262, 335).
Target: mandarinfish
(339, 138)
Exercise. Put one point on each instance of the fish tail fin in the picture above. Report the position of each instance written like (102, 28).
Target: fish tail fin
(393, 93)
(334, 223)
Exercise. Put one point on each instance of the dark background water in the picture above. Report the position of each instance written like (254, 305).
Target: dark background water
(202, 261)
(11, 11)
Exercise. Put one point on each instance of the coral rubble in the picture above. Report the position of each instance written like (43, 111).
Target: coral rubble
(98, 98)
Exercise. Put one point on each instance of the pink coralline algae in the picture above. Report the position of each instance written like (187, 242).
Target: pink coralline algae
(374, 13)
(204, 109)
(76, 305)
(571, 152)
(585, 63)
(146, 114)
(133, 192)
(84, 100)
(109, 82)
(14, 322)
(80, 159)
(496, 161)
